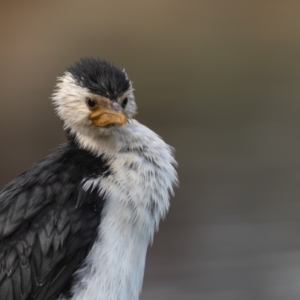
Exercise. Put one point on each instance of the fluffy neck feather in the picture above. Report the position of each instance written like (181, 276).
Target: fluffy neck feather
(137, 197)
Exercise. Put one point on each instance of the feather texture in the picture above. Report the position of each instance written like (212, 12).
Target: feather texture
(137, 192)
(48, 224)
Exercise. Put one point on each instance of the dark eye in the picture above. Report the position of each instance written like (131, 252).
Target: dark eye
(124, 102)
(91, 103)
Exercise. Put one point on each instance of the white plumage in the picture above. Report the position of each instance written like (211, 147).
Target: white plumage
(137, 199)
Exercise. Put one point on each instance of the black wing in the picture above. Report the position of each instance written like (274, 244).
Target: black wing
(48, 223)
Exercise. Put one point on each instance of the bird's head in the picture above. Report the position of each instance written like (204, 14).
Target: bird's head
(94, 97)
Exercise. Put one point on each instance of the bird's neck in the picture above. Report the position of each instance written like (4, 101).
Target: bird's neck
(106, 144)
(114, 269)
(136, 198)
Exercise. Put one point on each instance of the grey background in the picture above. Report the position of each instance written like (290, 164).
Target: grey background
(219, 81)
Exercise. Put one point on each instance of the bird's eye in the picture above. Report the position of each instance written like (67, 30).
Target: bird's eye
(90, 102)
(124, 102)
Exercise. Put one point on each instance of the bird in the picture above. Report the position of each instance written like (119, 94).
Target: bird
(78, 223)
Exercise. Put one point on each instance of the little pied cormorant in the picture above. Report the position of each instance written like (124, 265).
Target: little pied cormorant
(78, 223)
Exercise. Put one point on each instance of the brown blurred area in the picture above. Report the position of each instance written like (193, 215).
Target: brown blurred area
(219, 81)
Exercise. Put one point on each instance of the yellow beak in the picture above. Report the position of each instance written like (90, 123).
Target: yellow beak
(103, 117)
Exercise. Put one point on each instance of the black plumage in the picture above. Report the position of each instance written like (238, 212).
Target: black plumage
(48, 223)
(100, 77)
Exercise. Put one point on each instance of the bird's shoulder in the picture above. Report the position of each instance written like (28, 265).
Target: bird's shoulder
(48, 222)
(56, 178)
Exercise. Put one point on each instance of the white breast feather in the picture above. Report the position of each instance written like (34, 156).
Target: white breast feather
(137, 198)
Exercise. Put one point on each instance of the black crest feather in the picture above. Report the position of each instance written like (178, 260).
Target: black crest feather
(100, 77)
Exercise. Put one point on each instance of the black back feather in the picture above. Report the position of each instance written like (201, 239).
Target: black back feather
(48, 223)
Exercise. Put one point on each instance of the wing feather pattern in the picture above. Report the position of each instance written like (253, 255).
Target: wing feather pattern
(48, 223)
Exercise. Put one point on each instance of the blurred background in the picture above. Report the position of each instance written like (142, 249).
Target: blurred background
(219, 81)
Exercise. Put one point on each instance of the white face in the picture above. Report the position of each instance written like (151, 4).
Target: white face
(71, 103)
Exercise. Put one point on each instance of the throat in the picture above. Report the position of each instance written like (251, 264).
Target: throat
(97, 144)
(110, 141)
